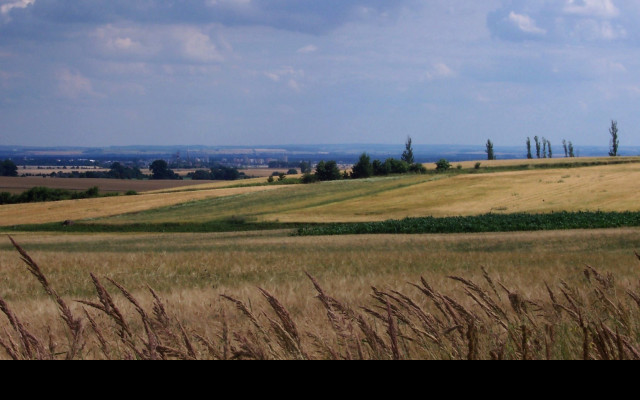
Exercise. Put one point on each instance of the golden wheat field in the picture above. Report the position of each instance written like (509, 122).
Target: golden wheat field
(190, 273)
(591, 188)
(271, 295)
(599, 188)
(38, 213)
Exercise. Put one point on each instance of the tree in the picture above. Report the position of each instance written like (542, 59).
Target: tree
(566, 148)
(292, 172)
(615, 142)
(443, 165)
(544, 147)
(201, 175)
(407, 155)
(363, 169)
(549, 149)
(161, 171)
(538, 145)
(381, 168)
(529, 155)
(398, 167)
(328, 171)
(490, 153)
(305, 167)
(8, 168)
(571, 151)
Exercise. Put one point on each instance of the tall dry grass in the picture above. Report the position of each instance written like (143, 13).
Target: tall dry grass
(594, 319)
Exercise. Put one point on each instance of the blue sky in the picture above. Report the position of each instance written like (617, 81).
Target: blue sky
(250, 72)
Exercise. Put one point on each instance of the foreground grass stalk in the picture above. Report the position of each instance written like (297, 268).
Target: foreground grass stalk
(594, 319)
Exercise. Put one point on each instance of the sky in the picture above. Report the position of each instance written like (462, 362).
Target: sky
(269, 72)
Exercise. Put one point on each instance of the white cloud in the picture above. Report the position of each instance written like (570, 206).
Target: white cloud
(197, 45)
(308, 49)
(294, 85)
(526, 24)
(440, 71)
(291, 75)
(74, 85)
(5, 9)
(273, 76)
(185, 43)
(593, 8)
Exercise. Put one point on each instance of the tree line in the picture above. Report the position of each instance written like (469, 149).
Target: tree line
(8, 168)
(217, 173)
(43, 194)
(544, 148)
(366, 168)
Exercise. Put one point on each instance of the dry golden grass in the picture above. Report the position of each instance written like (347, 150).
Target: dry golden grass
(534, 162)
(191, 271)
(208, 185)
(605, 188)
(40, 213)
(21, 184)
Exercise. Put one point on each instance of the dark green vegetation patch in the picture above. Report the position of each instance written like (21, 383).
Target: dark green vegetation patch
(481, 223)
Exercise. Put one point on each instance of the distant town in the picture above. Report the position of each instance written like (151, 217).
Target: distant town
(183, 157)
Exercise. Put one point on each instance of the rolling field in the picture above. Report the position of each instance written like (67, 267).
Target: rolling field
(600, 188)
(20, 184)
(191, 272)
(76, 210)
(592, 188)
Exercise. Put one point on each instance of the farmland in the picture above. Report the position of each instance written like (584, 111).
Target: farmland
(600, 188)
(190, 271)
(21, 184)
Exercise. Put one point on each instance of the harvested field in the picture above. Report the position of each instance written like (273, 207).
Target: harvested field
(540, 162)
(39, 213)
(21, 184)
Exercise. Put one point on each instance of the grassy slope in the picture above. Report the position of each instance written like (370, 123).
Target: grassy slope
(605, 188)
(42, 213)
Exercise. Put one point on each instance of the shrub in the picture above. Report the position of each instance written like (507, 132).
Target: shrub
(443, 165)
(418, 169)
(477, 166)
(397, 166)
(309, 178)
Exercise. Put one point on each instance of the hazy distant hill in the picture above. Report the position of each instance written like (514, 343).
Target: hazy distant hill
(339, 152)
